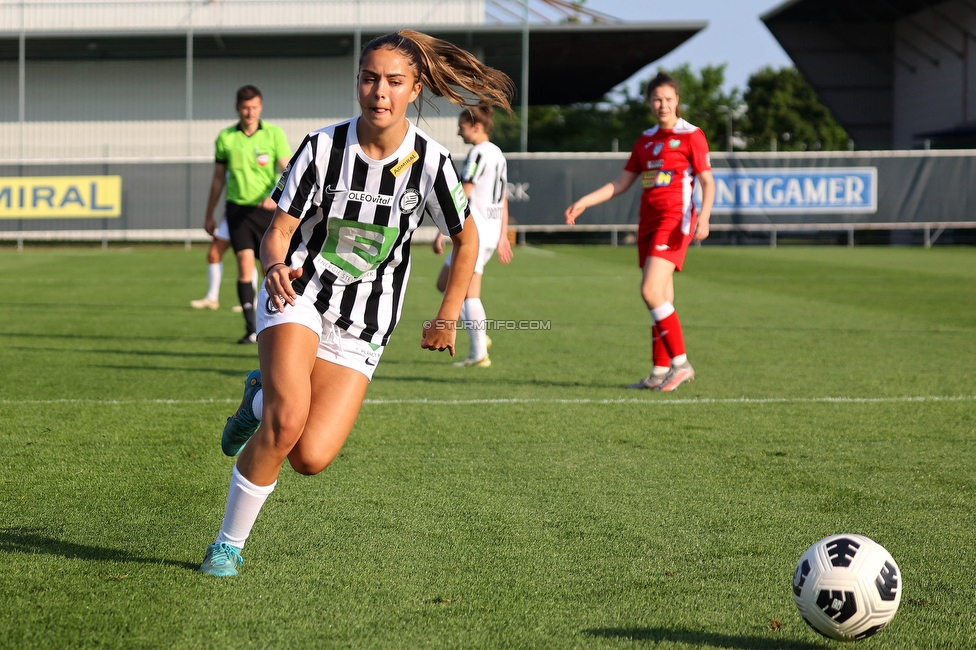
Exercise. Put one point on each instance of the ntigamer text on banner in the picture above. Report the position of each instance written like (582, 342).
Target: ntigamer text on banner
(820, 190)
(54, 197)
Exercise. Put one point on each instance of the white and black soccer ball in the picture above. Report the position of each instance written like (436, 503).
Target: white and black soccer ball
(847, 587)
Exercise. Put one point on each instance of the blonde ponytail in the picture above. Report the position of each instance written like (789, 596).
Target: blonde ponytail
(444, 68)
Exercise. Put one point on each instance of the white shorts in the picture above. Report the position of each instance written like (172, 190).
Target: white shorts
(484, 254)
(222, 232)
(336, 345)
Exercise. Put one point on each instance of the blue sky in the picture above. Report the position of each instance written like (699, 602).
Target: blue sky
(734, 35)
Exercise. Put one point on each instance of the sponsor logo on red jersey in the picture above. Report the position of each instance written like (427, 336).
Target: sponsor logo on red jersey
(656, 179)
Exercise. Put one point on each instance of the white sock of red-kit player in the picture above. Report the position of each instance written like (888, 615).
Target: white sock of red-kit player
(669, 329)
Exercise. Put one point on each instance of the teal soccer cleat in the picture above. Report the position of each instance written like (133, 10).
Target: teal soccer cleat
(242, 425)
(222, 560)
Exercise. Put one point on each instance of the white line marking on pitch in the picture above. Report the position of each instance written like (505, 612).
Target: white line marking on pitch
(516, 400)
(695, 400)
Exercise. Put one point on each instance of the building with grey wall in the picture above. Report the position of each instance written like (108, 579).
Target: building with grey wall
(895, 73)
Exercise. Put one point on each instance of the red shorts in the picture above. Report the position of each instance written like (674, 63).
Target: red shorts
(665, 238)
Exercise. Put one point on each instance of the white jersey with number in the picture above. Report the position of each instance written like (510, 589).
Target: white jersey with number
(486, 169)
(357, 217)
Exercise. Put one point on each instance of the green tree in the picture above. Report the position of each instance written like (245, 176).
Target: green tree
(704, 103)
(621, 117)
(779, 105)
(784, 109)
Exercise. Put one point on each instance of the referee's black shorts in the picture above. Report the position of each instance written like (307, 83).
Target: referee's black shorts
(247, 224)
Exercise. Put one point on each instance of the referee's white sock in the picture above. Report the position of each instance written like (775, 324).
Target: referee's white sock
(477, 317)
(215, 272)
(244, 502)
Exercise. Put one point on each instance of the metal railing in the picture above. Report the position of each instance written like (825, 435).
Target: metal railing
(931, 230)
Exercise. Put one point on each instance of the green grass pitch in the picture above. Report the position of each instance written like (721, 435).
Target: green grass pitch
(534, 504)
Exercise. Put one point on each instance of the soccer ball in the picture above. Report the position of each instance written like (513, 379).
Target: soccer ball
(847, 587)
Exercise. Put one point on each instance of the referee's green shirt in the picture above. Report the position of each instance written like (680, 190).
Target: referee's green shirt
(251, 161)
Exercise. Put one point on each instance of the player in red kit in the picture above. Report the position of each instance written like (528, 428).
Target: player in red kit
(668, 159)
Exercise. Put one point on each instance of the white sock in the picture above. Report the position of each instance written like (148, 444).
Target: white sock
(257, 404)
(214, 274)
(476, 314)
(660, 371)
(254, 279)
(244, 502)
(679, 360)
(463, 316)
(662, 312)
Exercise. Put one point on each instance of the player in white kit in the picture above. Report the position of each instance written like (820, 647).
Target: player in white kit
(485, 179)
(215, 270)
(338, 261)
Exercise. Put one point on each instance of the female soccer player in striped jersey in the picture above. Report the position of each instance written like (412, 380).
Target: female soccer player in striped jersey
(338, 258)
(668, 158)
(484, 177)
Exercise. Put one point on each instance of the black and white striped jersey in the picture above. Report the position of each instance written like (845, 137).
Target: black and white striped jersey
(357, 217)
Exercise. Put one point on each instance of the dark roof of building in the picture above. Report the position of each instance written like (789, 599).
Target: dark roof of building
(846, 50)
(567, 62)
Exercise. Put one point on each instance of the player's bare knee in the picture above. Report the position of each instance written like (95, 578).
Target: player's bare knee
(652, 296)
(287, 429)
(309, 465)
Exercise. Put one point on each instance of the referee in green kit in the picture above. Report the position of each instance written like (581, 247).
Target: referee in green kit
(249, 158)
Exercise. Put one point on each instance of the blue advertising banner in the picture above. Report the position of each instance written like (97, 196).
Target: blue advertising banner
(783, 190)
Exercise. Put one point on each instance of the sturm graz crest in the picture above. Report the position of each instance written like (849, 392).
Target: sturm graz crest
(842, 551)
(409, 201)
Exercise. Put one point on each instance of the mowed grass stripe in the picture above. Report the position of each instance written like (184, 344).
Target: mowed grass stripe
(516, 400)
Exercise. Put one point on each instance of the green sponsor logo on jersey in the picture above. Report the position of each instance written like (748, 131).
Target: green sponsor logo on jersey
(357, 248)
(460, 200)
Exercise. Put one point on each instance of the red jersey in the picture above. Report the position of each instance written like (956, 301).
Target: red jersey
(668, 160)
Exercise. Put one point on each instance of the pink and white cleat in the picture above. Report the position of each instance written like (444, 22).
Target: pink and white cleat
(679, 375)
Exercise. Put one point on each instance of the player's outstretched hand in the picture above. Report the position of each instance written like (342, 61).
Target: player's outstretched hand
(573, 211)
(278, 280)
(439, 335)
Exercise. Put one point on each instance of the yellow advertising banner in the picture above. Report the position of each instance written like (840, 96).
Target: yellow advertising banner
(57, 197)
